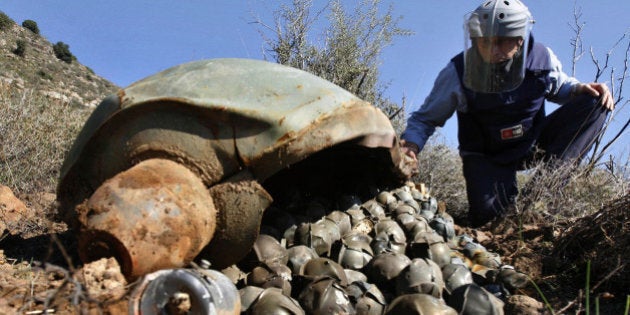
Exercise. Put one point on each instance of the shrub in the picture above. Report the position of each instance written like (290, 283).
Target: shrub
(567, 190)
(44, 75)
(557, 191)
(5, 21)
(20, 49)
(62, 52)
(31, 25)
(35, 134)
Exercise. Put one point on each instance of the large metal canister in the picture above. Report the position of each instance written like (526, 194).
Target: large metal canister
(156, 215)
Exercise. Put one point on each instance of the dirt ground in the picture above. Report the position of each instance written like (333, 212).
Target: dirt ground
(559, 257)
(40, 271)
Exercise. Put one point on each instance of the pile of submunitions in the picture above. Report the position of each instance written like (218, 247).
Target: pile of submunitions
(394, 254)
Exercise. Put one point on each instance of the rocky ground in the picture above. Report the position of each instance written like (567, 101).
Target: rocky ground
(39, 68)
(40, 270)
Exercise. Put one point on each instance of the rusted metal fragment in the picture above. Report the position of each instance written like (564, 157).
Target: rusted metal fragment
(240, 202)
(356, 121)
(156, 215)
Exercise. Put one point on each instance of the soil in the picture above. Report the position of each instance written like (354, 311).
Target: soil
(40, 269)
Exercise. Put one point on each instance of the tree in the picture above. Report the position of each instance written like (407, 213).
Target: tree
(350, 49)
(5, 21)
(62, 51)
(20, 48)
(31, 25)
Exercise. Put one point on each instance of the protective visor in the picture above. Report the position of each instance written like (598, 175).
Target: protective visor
(494, 54)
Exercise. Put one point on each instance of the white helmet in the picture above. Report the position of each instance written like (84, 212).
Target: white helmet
(505, 18)
(496, 19)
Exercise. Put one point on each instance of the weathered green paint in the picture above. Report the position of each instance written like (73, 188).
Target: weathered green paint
(217, 117)
(233, 123)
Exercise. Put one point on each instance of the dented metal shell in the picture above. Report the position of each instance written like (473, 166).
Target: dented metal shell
(232, 123)
(216, 117)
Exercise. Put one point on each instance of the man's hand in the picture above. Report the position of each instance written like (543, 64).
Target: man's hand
(409, 159)
(410, 149)
(597, 90)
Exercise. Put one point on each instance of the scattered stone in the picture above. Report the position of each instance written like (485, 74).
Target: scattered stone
(482, 237)
(103, 279)
(12, 211)
(523, 305)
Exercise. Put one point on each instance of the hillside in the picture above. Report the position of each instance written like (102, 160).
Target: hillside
(39, 69)
(44, 102)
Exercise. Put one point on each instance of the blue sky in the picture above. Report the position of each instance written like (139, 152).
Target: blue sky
(127, 40)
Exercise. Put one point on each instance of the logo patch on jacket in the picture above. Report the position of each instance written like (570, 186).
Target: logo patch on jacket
(512, 132)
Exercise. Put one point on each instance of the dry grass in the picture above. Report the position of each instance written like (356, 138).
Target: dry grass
(564, 191)
(556, 191)
(601, 239)
(35, 134)
(441, 169)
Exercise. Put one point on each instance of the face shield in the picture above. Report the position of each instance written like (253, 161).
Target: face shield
(496, 45)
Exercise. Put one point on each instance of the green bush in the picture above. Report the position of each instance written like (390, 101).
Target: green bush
(31, 25)
(5, 21)
(44, 75)
(20, 49)
(62, 52)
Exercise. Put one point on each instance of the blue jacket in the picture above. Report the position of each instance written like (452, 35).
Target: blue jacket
(504, 126)
(448, 96)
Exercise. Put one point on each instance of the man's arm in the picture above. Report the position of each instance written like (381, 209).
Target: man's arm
(445, 97)
(564, 87)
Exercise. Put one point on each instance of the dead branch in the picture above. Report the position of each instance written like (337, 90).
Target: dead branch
(576, 42)
(598, 154)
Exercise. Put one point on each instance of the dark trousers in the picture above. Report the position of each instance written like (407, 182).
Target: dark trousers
(567, 135)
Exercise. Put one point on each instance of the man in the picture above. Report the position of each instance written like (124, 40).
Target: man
(498, 86)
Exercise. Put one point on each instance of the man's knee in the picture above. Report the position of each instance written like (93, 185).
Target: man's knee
(489, 187)
(584, 108)
(484, 208)
(570, 130)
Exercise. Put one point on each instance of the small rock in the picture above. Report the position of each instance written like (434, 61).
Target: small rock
(43, 198)
(482, 237)
(103, 279)
(523, 305)
(12, 211)
(235, 274)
